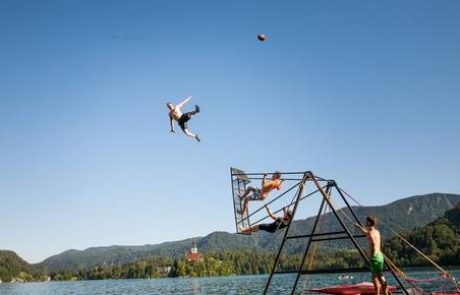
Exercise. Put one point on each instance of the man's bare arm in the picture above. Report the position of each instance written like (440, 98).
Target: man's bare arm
(270, 212)
(281, 183)
(182, 103)
(285, 211)
(362, 229)
(171, 123)
(263, 179)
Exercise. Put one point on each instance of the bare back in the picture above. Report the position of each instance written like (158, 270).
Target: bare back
(374, 240)
(270, 185)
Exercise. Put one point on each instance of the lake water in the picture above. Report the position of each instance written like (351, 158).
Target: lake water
(241, 285)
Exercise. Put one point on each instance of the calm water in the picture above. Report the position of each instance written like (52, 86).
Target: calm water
(216, 285)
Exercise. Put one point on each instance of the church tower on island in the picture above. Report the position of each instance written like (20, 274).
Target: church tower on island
(193, 255)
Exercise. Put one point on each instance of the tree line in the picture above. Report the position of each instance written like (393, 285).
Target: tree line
(439, 240)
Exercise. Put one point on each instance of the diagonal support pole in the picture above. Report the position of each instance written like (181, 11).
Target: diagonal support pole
(345, 228)
(310, 240)
(297, 199)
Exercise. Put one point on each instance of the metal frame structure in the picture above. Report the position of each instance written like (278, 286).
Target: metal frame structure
(240, 182)
(324, 187)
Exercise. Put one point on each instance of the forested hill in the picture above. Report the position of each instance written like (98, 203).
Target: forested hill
(14, 267)
(406, 213)
(113, 255)
(439, 240)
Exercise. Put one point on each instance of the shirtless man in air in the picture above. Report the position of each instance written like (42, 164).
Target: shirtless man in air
(175, 113)
(377, 261)
(261, 194)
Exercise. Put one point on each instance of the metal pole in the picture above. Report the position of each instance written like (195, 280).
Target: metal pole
(262, 173)
(299, 194)
(304, 257)
(233, 195)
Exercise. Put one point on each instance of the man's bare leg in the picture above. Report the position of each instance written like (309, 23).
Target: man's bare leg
(246, 192)
(250, 229)
(376, 283)
(245, 199)
(384, 284)
(245, 205)
(188, 133)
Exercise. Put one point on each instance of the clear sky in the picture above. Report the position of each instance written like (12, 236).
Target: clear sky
(365, 92)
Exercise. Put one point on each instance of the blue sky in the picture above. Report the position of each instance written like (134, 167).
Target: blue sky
(363, 92)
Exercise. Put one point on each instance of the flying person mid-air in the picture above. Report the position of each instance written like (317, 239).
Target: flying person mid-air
(175, 113)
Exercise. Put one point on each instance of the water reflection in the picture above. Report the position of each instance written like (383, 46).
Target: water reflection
(233, 285)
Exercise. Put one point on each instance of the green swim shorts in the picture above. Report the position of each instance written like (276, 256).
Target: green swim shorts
(376, 263)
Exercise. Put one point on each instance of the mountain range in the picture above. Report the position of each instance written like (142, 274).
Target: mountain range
(407, 213)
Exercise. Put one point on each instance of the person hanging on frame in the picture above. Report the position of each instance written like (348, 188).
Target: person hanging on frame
(260, 194)
(279, 222)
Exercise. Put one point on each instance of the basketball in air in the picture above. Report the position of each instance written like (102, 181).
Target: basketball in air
(261, 37)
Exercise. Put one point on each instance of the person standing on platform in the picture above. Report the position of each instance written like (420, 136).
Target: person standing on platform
(377, 260)
(279, 222)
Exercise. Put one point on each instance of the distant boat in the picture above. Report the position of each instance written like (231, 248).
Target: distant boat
(347, 277)
(351, 289)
